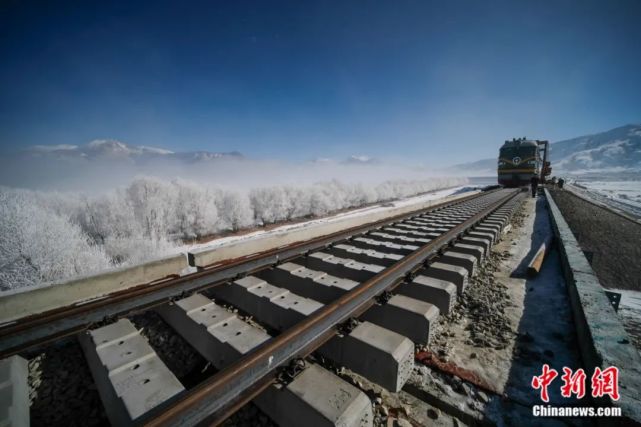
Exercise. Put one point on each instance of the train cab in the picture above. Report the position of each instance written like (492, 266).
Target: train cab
(519, 160)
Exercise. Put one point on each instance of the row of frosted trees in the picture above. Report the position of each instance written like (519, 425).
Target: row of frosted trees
(46, 237)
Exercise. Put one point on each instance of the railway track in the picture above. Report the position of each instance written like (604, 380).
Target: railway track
(360, 298)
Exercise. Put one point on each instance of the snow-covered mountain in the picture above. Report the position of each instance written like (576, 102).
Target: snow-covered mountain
(616, 150)
(107, 149)
(351, 160)
(360, 160)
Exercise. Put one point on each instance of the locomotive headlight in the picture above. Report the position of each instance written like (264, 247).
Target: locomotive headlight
(501, 163)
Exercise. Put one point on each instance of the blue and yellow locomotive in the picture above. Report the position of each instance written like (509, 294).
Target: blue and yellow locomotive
(520, 159)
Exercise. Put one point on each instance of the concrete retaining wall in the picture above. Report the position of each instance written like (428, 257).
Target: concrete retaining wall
(602, 340)
(206, 256)
(21, 303)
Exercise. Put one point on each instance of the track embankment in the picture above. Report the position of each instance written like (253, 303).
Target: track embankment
(611, 243)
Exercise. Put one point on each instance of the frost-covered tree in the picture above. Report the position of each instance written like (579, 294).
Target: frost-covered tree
(270, 204)
(151, 200)
(53, 236)
(137, 249)
(38, 245)
(195, 212)
(299, 202)
(321, 201)
(235, 210)
(108, 216)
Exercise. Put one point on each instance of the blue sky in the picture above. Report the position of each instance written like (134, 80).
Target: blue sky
(430, 82)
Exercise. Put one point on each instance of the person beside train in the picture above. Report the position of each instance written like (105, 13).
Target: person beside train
(534, 184)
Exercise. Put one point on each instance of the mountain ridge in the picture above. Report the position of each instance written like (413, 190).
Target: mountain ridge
(110, 149)
(614, 150)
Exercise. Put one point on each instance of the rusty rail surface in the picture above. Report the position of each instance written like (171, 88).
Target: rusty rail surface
(211, 401)
(49, 326)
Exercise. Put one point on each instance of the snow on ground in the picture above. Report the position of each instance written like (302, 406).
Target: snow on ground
(546, 327)
(379, 207)
(630, 313)
(529, 323)
(625, 195)
(508, 361)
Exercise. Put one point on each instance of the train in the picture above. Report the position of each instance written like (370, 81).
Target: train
(520, 159)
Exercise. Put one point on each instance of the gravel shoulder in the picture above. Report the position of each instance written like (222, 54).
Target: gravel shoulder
(504, 329)
(495, 330)
(611, 243)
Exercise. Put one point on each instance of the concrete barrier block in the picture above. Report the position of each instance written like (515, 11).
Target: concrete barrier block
(407, 316)
(366, 256)
(22, 303)
(409, 232)
(377, 243)
(317, 397)
(483, 235)
(217, 334)
(14, 392)
(468, 262)
(477, 252)
(500, 221)
(369, 252)
(485, 243)
(495, 230)
(322, 278)
(448, 272)
(347, 262)
(317, 285)
(395, 238)
(382, 356)
(130, 377)
(440, 293)
(275, 306)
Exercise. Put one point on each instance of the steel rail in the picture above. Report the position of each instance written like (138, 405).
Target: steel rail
(214, 396)
(43, 328)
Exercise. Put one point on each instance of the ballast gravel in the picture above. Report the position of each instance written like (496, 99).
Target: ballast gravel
(62, 391)
(61, 388)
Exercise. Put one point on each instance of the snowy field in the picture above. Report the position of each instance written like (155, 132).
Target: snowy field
(630, 313)
(624, 195)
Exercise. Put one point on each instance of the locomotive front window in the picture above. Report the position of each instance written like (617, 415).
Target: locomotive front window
(509, 152)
